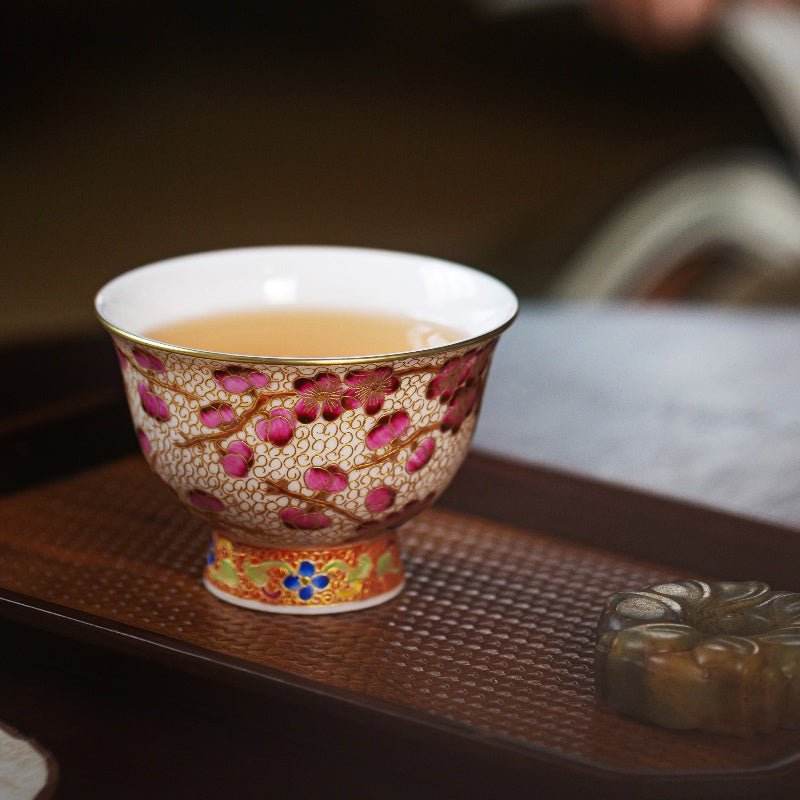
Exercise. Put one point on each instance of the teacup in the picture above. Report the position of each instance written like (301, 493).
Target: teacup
(304, 466)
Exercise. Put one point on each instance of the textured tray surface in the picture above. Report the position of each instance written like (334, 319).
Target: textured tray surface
(494, 632)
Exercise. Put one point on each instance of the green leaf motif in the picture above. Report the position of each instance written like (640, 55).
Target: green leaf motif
(356, 573)
(257, 573)
(225, 572)
(363, 569)
(387, 563)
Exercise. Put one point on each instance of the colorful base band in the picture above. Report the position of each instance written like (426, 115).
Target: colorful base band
(304, 581)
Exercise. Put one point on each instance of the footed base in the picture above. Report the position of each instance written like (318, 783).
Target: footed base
(304, 581)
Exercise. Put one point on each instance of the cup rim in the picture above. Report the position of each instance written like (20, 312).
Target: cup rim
(219, 355)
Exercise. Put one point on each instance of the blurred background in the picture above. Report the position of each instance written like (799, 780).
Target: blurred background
(512, 136)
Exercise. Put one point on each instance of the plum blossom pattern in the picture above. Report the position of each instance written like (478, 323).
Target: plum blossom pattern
(330, 479)
(397, 517)
(379, 499)
(237, 459)
(205, 501)
(277, 427)
(144, 441)
(410, 509)
(147, 361)
(388, 428)
(301, 519)
(122, 359)
(245, 409)
(368, 389)
(459, 385)
(422, 455)
(460, 407)
(153, 405)
(321, 394)
(479, 361)
(305, 581)
(217, 415)
(452, 375)
(238, 380)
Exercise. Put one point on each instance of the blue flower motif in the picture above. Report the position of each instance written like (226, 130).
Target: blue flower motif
(305, 581)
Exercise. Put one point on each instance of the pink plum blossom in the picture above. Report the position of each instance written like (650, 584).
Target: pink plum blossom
(450, 377)
(330, 479)
(237, 460)
(459, 372)
(320, 394)
(461, 406)
(300, 518)
(388, 428)
(121, 357)
(480, 361)
(397, 518)
(205, 501)
(148, 361)
(409, 510)
(216, 415)
(144, 441)
(240, 379)
(380, 498)
(368, 388)
(153, 404)
(420, 457)
(277, 428)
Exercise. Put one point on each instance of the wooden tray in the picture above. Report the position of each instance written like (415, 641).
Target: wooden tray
(489, 648)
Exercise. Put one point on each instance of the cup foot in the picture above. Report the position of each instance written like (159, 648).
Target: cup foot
(304, 581)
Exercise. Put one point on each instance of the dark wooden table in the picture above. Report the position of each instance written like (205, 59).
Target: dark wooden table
(671, 432)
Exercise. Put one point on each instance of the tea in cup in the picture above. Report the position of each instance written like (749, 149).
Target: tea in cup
(305, 402)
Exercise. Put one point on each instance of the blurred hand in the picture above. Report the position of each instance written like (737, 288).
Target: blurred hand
(661, 24)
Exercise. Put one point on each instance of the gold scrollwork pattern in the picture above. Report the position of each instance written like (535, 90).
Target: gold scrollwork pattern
(304, 455)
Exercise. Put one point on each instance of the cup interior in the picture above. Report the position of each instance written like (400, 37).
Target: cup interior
(331, 278)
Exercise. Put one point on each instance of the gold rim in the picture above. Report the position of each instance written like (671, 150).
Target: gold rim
(285, 361)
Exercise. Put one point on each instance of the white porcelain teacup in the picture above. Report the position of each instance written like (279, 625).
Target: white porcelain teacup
(303, 466)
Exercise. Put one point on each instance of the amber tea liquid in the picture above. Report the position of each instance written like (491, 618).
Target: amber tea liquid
(304, 333)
